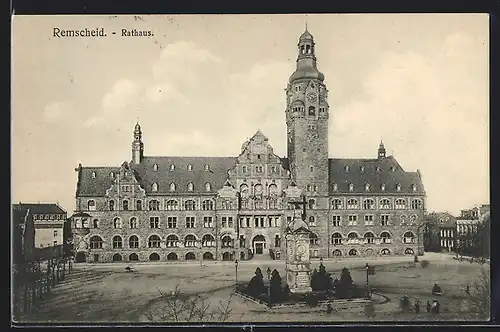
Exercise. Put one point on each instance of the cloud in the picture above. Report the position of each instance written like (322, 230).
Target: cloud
(165, 92)
(57, 111)
(122, 94)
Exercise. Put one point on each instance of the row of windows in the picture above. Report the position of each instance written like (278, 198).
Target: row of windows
(154, 205)
(189, 167)
(352, 220)
(260, 168)
(154, 241)
(384, 204)
(347, 169)
(369, 237)
(370, 252)
(173, 187)
(49, 216)
(368, 187)
(154, 222)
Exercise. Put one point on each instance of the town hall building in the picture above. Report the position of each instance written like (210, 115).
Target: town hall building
(161, 208)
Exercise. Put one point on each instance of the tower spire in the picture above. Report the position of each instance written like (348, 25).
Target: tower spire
(381, 149)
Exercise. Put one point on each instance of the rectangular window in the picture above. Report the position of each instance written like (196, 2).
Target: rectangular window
(55, 233)
(384, 219)
(207, 222)
(336, 221)
(248, 222)
(352, 220)
(55, 243)
(224, 222)
(189, 222)
(154, 222)
(96, 257)
(171, 222)
(230, 222)
(369, 220)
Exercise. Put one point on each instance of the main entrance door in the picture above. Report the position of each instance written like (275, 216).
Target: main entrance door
(259, 244)
(259, 248)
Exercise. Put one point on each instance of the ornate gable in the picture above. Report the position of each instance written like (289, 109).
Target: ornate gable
(125, 184)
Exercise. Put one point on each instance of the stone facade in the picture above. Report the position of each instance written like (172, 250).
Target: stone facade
(225, 208)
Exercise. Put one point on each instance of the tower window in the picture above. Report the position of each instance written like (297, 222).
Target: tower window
(155, 167)
(312, 111)
(172, 167)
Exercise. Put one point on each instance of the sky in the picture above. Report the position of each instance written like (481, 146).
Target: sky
(203, 84)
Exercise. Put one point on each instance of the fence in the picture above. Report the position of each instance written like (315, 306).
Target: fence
(32, 284)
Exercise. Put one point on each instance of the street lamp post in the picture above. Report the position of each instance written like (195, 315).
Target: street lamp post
(367, 267)
(269, 286)
(236, 267)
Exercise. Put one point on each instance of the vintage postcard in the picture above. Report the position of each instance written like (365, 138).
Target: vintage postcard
(250, 168)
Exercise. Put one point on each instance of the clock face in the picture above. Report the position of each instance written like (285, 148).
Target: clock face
(301, 250)
(312, 97)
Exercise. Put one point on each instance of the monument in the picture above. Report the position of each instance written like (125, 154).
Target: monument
(297, 233)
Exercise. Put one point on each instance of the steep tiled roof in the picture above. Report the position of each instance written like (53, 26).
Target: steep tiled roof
(216, 174)
(448, 221)
(38, 208)
(374, 172)
(95, 186)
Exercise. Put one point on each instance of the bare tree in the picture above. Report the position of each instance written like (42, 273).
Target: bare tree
(181, 307)
(480, 297)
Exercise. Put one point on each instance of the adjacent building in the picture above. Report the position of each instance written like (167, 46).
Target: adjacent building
(186, 208)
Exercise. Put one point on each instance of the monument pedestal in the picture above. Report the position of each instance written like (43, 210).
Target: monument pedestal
(299, 278)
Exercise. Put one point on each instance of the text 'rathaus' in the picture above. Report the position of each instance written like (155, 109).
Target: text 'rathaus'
(226, 208)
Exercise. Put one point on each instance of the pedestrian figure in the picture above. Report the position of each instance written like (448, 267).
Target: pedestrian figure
(417, 307)
(329, 308)
(467, 289)
(428, 306)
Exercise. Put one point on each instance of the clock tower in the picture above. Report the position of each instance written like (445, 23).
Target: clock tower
(307, 122)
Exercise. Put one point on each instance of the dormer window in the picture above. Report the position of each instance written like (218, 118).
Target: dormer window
(190, 167)
(413, 187)
(398, 187)
(155, 167)
(112, 175)
(311, 169)
(93, 175)
(362, 169)
(367, 187)
(208, 187)
(346, 168)
(172, 186)
(190, 186)
(335, 187)
(172, 167)
(351, 187)
(382, 186)
(207, 168)
(378, 169)
(154, 187)
(391, 169)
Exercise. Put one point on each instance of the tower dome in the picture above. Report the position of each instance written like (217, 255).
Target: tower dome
(306, 36)
(306, 60)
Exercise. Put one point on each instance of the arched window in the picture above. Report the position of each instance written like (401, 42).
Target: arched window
(352, 204)
(312, 204)
(133, 257)
(408, 237)
(208, 241)
(403, 219)
(138, 205)
(416, 204)
(190, 205)
(172, 257)
(244, 190)
(172, 167)
(352, 238)
(95, 242)
(385, 204)
(112, 175)
(190, 241)
(117, 242)
(172, 205)
(346, 168)
(337, 253)
(227, 242)
(125, 205)
(273, 190)
(385, 252)
(111, 205)
(91, 205)
(133, 242)
(93, 175)
(172, 186)
(312, 221)
(208, 187)
(189, 167)
(336, 204)
(353, 252)
(207, 205)
(172, 241)
(369, 204)
(409, 251)
(190, 187)
(154, 187)
(207, 168)
(400, 204)
(351, 187)
(133, 222)
(154, 241)
(385, 237)
(117, 223)
(313, 239)
(155, 167)
(413, 219)
(95, 223)
(369, 238)
(337, 238)
(154, 205)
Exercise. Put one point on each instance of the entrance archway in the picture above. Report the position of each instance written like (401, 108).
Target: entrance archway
(337, 253)
(259, 244)
(133, 257)
(81, 257)
(117, 258)
(208, 256)
(190, 256)
(172, 257)
(226, 256)
(154, 257)
(409, 251)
